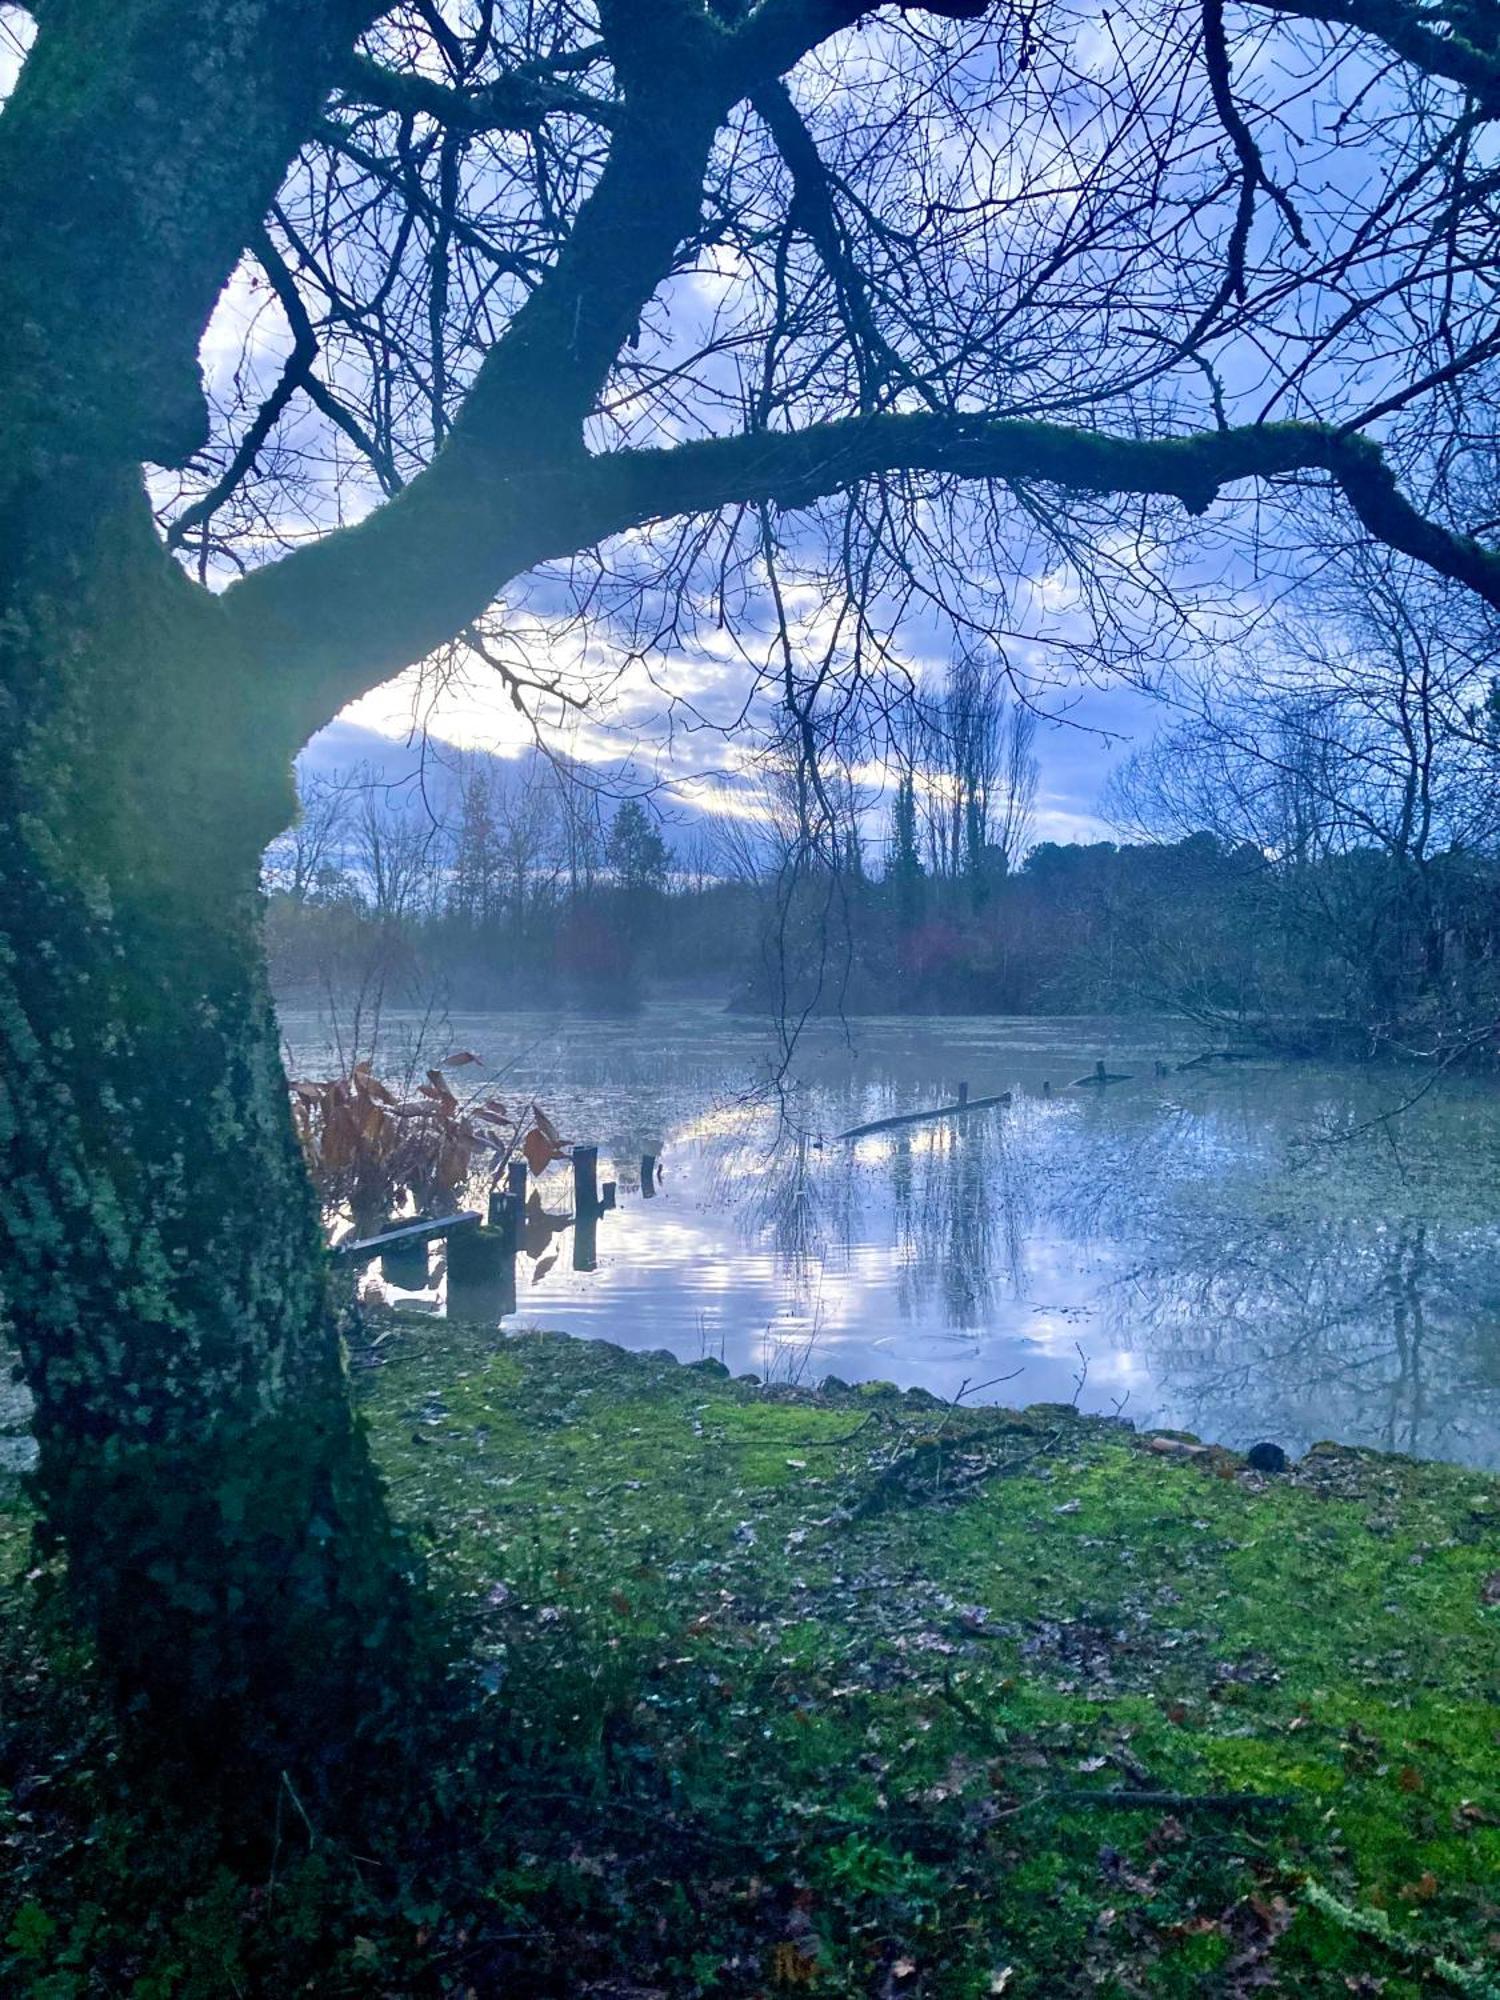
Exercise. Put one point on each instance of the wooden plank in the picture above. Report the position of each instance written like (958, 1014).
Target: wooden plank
(959, 1110)
(409, 1232)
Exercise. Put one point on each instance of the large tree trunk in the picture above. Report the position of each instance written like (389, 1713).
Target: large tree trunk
(160, 1260)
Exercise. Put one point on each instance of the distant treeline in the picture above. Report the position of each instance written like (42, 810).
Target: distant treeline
(1346, 952)
(1316, 861)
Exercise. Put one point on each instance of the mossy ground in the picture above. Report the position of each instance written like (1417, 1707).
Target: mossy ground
(843, 1694)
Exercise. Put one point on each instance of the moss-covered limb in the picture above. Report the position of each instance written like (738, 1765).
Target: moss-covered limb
(732, 1727)
(344, 613)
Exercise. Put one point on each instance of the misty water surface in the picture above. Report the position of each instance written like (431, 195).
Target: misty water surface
(1247, 1250)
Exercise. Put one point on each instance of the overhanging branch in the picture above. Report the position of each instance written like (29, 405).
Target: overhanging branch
(1456, 42)
(340, 617)
(517, 102)
(795, 469)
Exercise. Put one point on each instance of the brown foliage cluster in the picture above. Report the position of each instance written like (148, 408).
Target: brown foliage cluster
(371, 1153)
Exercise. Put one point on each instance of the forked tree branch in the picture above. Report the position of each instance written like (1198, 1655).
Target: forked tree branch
(513, 485)
(518, 101)
(815, 212)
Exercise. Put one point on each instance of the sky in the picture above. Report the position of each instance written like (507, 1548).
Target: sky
(1088, 731)
(1089, 728)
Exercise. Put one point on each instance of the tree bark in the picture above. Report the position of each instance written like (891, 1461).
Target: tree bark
(225, 1536)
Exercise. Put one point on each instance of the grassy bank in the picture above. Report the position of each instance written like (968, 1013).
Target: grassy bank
(845, 1693)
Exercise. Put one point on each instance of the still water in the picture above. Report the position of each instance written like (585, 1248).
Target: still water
(1243, 1250)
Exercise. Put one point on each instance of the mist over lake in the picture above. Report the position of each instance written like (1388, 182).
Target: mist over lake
(1244, 1250)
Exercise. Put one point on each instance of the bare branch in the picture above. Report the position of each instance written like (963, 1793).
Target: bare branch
(516, 102)
(1415, 34)
(357, 607)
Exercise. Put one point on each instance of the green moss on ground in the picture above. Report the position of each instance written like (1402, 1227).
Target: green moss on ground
(849, 1694)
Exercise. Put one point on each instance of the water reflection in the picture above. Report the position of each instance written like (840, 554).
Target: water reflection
(1220, 1261)
(1385, 1332)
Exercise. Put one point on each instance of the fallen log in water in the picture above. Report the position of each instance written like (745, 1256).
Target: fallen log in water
(1103, 1075)
(960, 1109)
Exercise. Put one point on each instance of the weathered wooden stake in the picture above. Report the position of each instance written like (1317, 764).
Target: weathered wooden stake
(607, 1195)
(476, 1256)
(648, 1175)
(516, 1179)
(586, 1239)
(505, 1219)
(585, 1182)
(963, 1093)
(482, 1271)
(407, 1266)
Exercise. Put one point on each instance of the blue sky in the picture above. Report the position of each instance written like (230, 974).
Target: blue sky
(641, 717)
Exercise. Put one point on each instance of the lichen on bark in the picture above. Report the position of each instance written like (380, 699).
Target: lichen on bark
(225, 1534)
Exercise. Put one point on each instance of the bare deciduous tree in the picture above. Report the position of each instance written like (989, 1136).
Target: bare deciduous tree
(1350, 749)
(374, 315)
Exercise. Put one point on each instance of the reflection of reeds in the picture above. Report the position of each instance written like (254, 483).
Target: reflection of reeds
(1362, 1308)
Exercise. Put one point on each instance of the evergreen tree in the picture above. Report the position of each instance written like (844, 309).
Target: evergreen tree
(905, 867)
(635, 850)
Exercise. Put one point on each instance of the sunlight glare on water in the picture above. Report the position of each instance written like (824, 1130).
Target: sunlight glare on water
(1206, 1249)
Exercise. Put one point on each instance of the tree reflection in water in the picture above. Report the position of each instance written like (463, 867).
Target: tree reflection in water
(1239, 1247)
(1386, 1332)
(1374, 1325)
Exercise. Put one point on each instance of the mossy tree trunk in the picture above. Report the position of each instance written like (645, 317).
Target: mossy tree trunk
(225, 1537)
(160, 1262)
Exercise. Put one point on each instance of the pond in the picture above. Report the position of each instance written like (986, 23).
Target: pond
(1243, 1250)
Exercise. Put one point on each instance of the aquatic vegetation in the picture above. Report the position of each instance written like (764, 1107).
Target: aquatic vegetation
(373, 1152)
(1250, 1249)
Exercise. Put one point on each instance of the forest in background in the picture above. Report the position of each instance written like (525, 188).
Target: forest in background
(1309, 851)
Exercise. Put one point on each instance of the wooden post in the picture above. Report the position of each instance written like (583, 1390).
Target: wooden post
(407, 1267)
(1100, 1071)
(1046, 1086)
(505, 1219)
(648, 1175)
(482, 1272)
(516, 1179)
(586, 1239)
(963, 1093)
(585, 1182)
(475, 1256)
(607, 1196)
